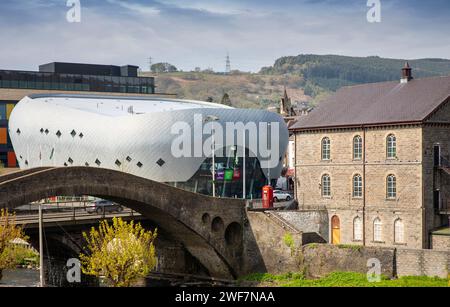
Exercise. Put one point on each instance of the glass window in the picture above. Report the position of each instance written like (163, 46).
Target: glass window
(357, 148)
(377, 230)
(3, 136)
(357, 229)
(391, 146)
(326, 186)
(326, 147)
(391, 187)
(399, 231)
(357, 186)
(2, 111)
(9, 109)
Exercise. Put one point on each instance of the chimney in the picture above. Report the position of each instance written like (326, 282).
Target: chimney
(406, 73)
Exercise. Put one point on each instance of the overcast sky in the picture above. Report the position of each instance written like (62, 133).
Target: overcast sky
(190, 33)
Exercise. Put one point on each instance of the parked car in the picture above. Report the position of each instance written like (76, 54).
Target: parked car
(279, 195)
(105, 206)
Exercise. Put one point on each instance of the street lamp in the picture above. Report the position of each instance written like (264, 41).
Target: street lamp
(213, 119)
(268, 140)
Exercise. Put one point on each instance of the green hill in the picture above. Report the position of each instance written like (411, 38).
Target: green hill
(308, 78)
(330, 72)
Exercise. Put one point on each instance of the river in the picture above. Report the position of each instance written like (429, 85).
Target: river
(20, 278)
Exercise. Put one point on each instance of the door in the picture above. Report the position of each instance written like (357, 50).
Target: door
(335, 230)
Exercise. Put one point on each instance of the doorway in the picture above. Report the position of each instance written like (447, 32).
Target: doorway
(335, 230)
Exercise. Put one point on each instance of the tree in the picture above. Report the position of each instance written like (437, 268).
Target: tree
(226, 100)
(163, 67)
(122, 252)
(8, 232)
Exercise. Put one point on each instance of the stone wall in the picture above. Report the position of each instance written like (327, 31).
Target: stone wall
(414, 262)
(265, 248)
(440, 242)
(308, 221)
(321, 259)
(407, 167)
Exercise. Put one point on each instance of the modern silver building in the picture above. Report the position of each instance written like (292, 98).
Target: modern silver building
(165, 140)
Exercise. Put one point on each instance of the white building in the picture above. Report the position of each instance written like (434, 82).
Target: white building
(165, 140)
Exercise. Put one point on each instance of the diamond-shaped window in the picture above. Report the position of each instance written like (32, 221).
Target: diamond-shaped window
(42, 130)
(81, 135)
(118, 163)
(70, 161)
(129, 159)
(46, 131)
(86, 164)
(18, 131)
(161, 162)
(58, 134)
(73, 133)
(139, 164)
(98, 162)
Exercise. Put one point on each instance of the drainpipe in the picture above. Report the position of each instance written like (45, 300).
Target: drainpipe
(364, 185)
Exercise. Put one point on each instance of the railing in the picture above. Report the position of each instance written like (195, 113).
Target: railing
(444, 206)
(67, 213)
(444, 162)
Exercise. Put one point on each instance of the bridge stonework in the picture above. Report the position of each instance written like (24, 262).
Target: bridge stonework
(210, 229)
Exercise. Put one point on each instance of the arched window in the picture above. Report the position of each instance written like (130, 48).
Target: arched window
(391, 185)
(326, 186)
(357, 186)
(391, 146)
(399, 231)
(326, 149)
(357, 229)
(357, 148)
(377, 230)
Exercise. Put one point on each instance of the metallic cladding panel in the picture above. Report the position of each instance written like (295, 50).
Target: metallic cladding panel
(145, 138)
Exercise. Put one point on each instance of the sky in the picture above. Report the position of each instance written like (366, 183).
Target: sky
(199, 33)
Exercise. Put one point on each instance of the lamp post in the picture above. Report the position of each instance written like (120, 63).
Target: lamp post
(213, 119)
(41, 249)
(268, 140)
(244, 187)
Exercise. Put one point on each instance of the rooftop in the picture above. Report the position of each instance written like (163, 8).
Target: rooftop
(379, 103)
(442, 232)
(122, 106)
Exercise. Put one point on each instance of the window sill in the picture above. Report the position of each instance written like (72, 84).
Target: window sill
(378, 242)
(357, 241)
(357, 198)
(327, 197)
(391, 199)
(400, 244)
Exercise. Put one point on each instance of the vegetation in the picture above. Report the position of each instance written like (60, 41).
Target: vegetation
(308, 78)
(9, 231)
(341, 279)
(163, 67)
(122, 252)
(331, 72)
(244, 90)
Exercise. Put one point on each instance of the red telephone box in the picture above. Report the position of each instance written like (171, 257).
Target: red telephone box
(267, 197)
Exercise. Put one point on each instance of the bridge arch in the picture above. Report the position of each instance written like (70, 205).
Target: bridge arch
(181, 213)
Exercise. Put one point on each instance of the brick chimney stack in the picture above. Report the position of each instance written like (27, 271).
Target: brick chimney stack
(406, 73)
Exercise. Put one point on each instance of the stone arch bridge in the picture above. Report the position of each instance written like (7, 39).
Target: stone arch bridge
(211, 229)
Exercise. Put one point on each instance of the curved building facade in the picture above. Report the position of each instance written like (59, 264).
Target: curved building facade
(165, 140)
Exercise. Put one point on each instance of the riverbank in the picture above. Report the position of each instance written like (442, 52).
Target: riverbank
(20, 278)
(339, 279)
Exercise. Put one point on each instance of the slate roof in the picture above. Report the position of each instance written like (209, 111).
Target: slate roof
(379, 103)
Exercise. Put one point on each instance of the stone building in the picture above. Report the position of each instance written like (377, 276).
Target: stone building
(375, 156)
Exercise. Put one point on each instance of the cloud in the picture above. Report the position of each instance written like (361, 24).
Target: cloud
(143, 9)
(190, 33)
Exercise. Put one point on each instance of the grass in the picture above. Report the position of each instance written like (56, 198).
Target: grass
(342, 279)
